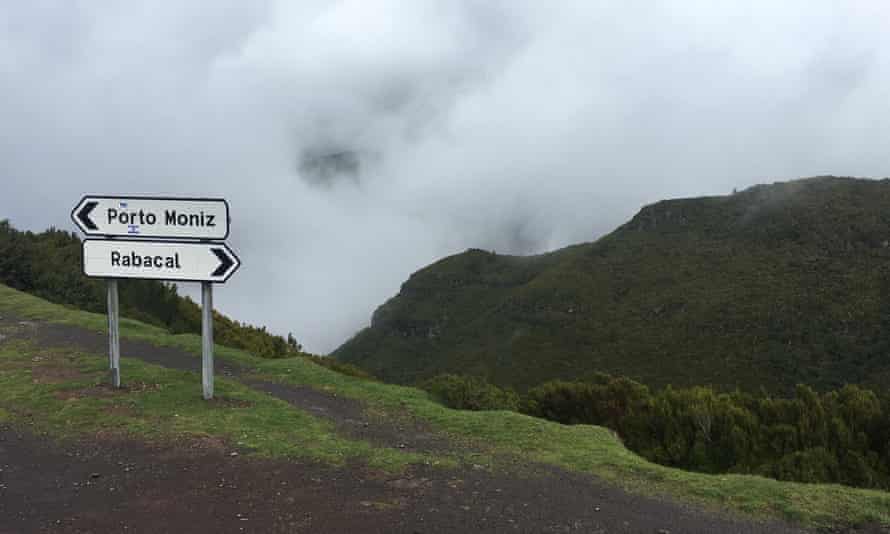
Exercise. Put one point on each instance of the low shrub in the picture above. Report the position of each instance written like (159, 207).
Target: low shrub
(470, 393)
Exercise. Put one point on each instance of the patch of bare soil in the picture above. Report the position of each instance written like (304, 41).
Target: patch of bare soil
(51, 374)
(97, 391)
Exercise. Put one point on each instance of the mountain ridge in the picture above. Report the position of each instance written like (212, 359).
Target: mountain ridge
(767, 287)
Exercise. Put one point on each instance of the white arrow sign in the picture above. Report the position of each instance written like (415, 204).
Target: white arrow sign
(159, 217)
(159, 260)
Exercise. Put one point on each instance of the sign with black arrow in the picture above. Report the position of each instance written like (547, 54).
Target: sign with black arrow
(169, 239)
(156, 217)
(159, 260)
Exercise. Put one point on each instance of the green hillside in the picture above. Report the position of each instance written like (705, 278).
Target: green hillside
(48, 264)
(765, 288)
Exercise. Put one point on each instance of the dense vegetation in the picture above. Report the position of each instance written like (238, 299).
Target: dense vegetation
(48, 264)
(841, 436)
(769, 287)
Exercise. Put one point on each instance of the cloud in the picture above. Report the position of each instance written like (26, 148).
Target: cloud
(359, 140)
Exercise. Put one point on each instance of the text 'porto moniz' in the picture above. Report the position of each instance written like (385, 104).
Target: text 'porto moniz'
(169, 218)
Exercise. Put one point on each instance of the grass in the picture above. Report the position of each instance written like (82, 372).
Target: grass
(168, 405)
(64, 393)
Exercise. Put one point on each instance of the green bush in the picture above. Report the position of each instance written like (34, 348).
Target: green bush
(840, 436)
(470, 393)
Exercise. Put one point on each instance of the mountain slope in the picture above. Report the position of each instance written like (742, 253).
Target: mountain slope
(776, 285)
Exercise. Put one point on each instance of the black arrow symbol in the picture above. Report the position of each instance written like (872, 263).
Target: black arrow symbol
(225, 262)
(84, 215)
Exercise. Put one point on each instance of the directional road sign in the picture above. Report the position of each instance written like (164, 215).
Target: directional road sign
(157, 217)
(159, 260)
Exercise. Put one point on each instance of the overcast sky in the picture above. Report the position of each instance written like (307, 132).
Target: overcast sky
(358, 141)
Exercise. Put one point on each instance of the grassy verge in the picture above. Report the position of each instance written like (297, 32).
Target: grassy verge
(64, 393)
(274, 428)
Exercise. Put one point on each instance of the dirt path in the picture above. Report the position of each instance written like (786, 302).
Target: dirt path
(105, 486)
(102, 485)
(347, 414)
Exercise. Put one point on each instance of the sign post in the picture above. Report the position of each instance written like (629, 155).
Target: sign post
(114, 343)
(169, 239)
(207, 339)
